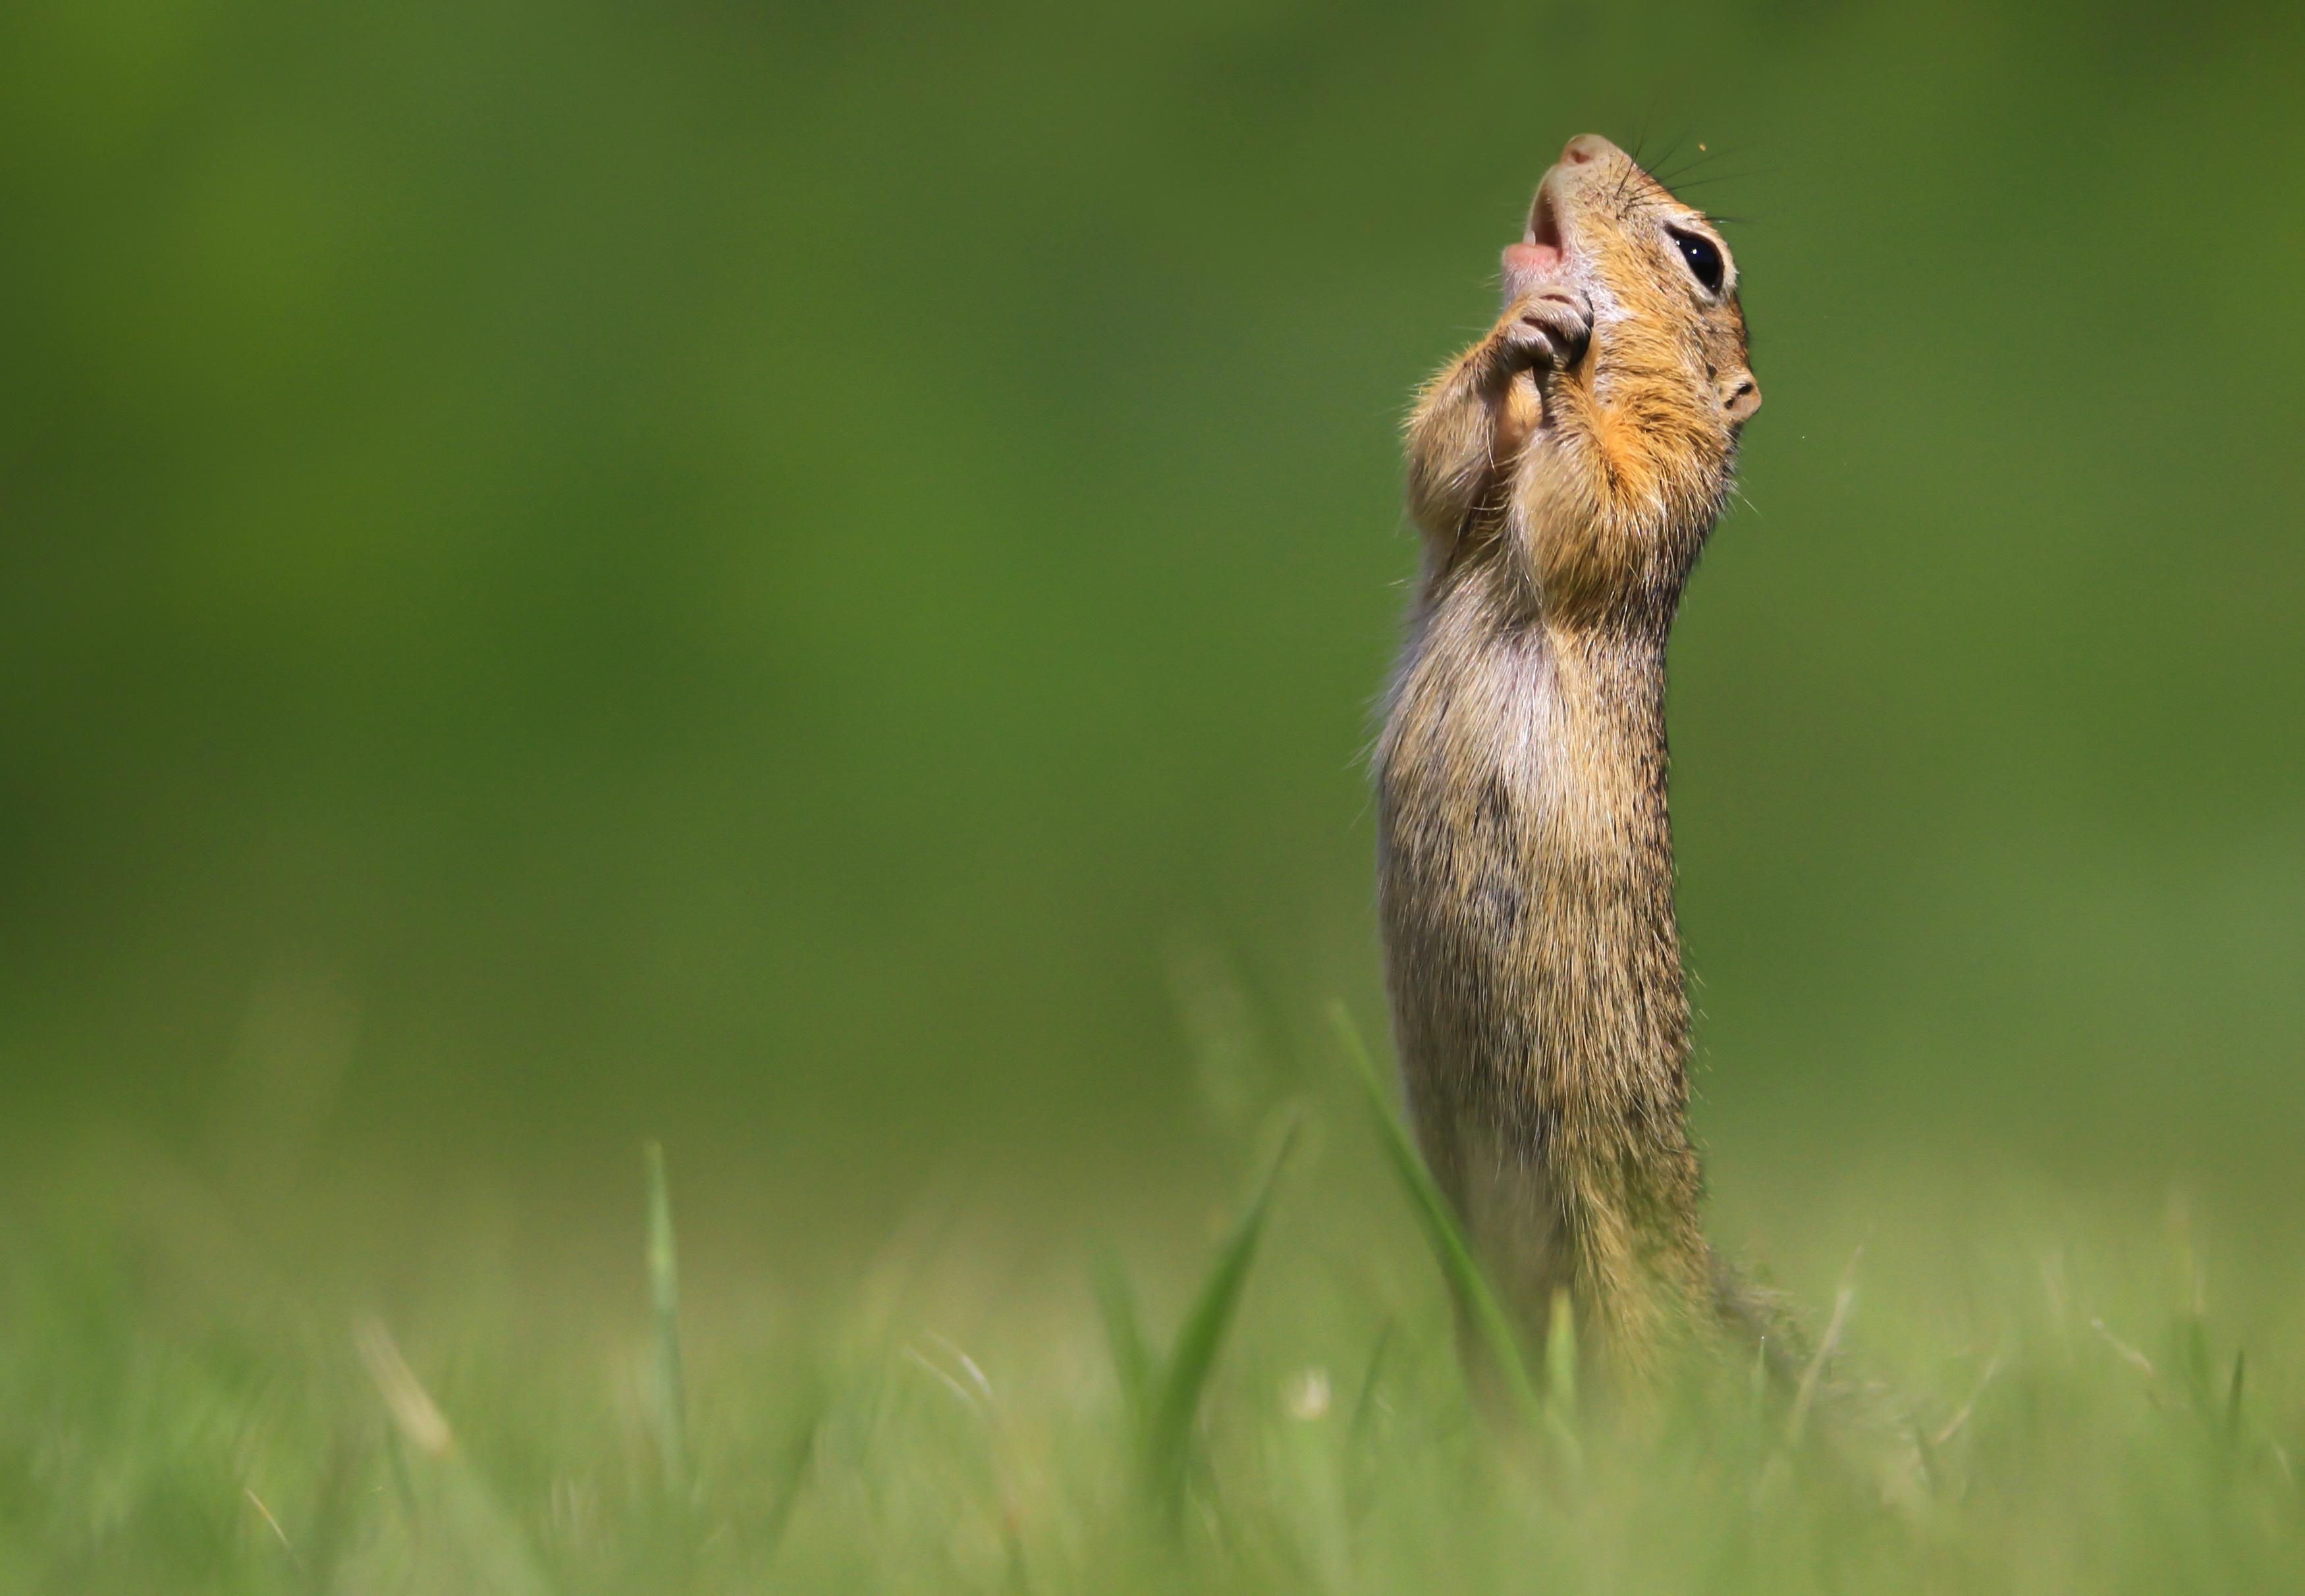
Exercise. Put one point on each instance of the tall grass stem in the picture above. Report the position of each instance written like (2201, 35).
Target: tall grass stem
(670, 1409)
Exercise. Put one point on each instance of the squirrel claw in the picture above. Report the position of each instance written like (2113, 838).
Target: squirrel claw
(1548, 327)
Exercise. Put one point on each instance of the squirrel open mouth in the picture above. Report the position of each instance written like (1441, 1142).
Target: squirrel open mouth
(1541, 249)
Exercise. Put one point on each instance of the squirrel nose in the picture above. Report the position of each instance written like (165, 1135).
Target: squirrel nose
(1584, 147)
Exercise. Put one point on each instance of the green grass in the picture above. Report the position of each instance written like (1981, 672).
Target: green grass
(1476, 1299)
(1270, 1402)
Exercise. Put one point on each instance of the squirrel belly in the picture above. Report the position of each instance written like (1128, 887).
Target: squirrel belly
(1533, 964)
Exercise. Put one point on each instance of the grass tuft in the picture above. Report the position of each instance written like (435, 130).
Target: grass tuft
(1177, 1391)
(170, 1430)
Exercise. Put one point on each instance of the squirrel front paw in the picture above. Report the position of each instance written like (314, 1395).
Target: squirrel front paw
(1550, 327)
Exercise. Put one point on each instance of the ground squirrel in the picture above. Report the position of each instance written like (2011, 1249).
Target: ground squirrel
(1564, 472)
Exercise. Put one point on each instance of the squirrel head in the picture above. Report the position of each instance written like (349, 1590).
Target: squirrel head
(1660, 280)
(1668, 341)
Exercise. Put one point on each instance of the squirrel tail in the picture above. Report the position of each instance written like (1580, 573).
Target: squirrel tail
(1762, 1319)
(1863, 1424)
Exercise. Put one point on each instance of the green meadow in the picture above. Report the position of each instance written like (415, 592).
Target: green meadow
(803, 586)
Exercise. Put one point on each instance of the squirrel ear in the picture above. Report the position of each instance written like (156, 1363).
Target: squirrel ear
(1740, 395)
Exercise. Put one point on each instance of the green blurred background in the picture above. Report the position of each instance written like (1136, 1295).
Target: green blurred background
(783, 575)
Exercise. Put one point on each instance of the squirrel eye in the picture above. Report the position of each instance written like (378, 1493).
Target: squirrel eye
(1703, 259)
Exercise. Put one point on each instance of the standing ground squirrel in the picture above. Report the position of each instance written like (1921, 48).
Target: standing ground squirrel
(1564, 472)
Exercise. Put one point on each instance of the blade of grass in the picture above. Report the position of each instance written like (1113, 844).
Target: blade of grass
(1561, 1381)
(334, 1516)
(1364, 1404)
(670, 1407)
(287, 1546)
(2190, 1360)
(1812, 1378)
(1560, 1354)
(1951, 1427)
(1176, 1402)
(2233, 1398)
(1123, 1331)
(403, 1482)
(1363, 1455)
(478, 1524)
(790, 1478)
(2127, 1353)
(1462, 1270)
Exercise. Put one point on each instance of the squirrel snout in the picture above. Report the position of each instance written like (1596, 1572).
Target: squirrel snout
(1584, 147)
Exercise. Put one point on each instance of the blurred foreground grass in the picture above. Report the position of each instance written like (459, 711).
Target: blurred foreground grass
(1250, 1395)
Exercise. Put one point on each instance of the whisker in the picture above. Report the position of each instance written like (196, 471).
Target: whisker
(1702, 158)
(1692, 184)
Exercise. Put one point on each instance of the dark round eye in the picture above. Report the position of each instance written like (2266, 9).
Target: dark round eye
(1703, 259)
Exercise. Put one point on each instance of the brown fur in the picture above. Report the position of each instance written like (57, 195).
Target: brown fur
(1564, 472)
